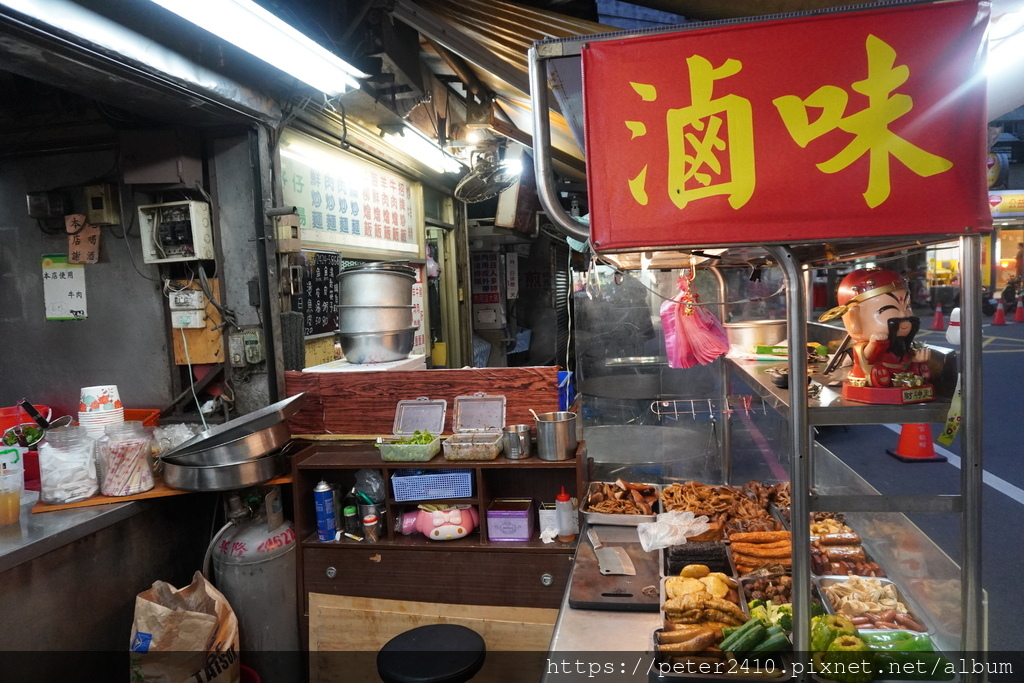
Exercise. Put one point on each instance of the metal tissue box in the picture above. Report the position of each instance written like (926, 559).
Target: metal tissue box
(510, 519)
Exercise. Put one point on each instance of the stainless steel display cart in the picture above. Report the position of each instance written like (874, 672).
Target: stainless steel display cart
(828, 483)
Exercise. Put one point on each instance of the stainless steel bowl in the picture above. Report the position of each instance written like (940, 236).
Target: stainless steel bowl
(377, 347)
(751, 333)
(240, 427)
(240, 450)
(222, 477)
(360, 319)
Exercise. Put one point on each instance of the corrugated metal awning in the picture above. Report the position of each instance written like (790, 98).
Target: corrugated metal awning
(494, 38)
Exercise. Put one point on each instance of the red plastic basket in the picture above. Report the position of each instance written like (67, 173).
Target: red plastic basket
(15, 415)
(147, 416)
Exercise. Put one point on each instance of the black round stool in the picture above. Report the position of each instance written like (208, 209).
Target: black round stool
(437, 653)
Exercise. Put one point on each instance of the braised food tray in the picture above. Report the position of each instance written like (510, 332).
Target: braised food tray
(602, 489)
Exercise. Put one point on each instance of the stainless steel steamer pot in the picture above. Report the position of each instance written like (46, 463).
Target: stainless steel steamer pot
(377, 284)
(377, 347)
(363, 319)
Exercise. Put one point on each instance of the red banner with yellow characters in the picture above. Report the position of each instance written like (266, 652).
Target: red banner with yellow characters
(831, 126)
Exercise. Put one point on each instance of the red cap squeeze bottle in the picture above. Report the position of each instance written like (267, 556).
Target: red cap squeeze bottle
(566, 517)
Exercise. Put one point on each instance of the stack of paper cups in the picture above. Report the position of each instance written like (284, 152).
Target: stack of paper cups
(98, 407)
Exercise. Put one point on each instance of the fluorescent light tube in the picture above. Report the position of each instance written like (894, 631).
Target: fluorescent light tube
(417, 146)
(247, 25)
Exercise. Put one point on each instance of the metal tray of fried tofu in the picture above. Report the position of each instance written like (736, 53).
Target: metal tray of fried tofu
(711, 597)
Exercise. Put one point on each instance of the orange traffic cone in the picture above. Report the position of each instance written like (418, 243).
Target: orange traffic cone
(1018, 313)
(937, 322)
(916, 445)
(1000, 315)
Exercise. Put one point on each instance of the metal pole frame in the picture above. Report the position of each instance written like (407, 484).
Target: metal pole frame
(800, 436)
(542, 166)
(971, 472)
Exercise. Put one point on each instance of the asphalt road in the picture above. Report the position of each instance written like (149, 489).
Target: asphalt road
(863, 448)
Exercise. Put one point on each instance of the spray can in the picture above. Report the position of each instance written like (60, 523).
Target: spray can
(326, 524)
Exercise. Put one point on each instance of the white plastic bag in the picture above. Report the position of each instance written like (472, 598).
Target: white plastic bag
(670, 528)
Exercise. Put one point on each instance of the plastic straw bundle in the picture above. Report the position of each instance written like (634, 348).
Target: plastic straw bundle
(127, 468)
(693, 336)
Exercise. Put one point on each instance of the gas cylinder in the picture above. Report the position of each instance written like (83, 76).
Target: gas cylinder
(254, 567)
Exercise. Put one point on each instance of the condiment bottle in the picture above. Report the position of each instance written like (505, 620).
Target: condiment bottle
(352, 524)
(371, 528)
(566, 517)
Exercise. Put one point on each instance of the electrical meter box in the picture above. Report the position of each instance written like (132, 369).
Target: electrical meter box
(176, 231)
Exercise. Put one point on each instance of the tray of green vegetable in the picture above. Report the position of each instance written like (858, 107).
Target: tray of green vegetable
(419, 447)
(417, 431)
(844, 654)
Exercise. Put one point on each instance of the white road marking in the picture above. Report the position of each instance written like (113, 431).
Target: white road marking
(999, 484)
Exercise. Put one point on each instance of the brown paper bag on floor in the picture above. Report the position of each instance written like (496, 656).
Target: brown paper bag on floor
(184, 636)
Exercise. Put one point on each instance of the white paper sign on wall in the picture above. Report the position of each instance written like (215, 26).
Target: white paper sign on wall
(63, 288)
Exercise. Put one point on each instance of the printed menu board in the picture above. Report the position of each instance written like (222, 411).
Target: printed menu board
(345, 201)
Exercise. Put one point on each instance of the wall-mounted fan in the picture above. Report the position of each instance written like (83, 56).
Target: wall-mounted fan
(487, 176)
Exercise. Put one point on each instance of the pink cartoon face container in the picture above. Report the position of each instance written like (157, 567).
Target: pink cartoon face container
(441, 522)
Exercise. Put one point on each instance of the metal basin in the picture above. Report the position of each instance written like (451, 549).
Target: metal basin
(377, 284)
(222, 477)
(240, 427)
(377, 347)
(753, 333)
(360, 319)
(240, 450)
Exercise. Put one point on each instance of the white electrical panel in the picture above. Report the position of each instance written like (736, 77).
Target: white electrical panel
(176, 231)
(187, 300)
(188, 320)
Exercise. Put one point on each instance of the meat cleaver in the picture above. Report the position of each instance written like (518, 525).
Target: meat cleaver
(611, 560)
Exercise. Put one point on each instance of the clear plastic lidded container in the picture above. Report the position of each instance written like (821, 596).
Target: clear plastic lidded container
(124, 459)
(67, 466)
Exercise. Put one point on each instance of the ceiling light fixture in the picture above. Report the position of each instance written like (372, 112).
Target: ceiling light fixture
(418, 146)
(247, 25)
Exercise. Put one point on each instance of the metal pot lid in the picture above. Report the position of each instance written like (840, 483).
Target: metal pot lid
(249, 447)
(240, 427)
(394, 267)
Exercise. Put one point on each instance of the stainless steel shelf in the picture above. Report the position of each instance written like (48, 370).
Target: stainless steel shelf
(830, 408)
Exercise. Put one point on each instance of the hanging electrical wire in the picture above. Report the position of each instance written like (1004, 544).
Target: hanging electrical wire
(188, 362)
(228, 317)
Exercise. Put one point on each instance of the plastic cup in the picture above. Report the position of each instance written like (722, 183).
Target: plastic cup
(11, 484)
(100, 398)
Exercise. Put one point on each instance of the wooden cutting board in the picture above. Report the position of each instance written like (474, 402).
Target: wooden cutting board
(590, 589)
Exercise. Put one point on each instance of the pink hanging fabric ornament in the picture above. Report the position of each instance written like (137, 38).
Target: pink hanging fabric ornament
(693, 335)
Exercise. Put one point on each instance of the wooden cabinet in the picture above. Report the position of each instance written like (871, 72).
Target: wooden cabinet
(518, 578)
(467, 571)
